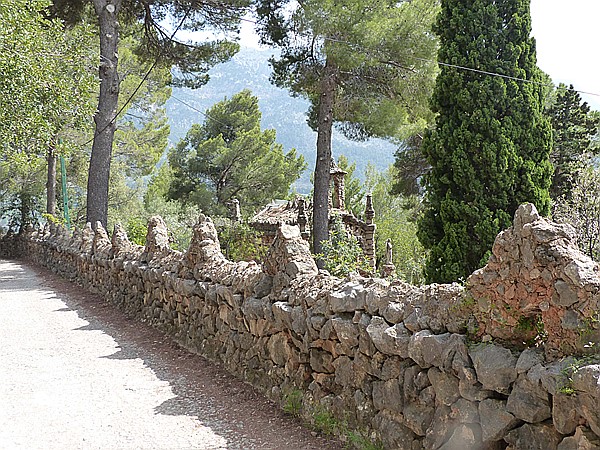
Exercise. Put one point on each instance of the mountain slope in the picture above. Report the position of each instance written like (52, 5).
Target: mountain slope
(249, 69)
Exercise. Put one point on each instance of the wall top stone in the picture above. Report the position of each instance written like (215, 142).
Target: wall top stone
(538, 285)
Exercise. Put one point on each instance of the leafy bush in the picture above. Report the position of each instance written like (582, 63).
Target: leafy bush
(342, 253)
(137, 228)
(240, 242)
(582, 210)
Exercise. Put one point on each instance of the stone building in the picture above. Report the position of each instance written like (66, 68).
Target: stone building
(299, 212)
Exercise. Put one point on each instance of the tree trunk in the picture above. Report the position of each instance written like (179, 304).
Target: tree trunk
(99, 171)
(51, 182)
(323, 163)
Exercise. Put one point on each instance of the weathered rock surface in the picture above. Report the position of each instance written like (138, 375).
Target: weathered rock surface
(388, 358)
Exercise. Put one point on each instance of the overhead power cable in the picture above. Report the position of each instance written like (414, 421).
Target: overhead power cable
(139, 86)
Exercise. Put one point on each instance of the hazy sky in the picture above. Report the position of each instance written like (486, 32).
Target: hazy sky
(568, 42)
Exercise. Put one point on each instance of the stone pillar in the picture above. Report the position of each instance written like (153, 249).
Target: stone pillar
(236, 214)
(388, 268)
(339, 189)
(303, 219)
(370, 231)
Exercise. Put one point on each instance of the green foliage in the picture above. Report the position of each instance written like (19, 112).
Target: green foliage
(142, 133)
(293, 403)
(43, 77)
(324, 421)
(568, 372)
(230, 157)
(342, 253)
(395, 217)
(380, 51)
(581, 208)
(359, 441)
(240, 242)
(137, 229)
(574, 127)
(410, 167)
(354, 193)
(489, 151)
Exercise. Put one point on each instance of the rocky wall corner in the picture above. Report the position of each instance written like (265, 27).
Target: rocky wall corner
(432, 367)
(538, 287)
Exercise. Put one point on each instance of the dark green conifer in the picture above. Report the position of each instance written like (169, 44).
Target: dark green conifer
(574, 126)
(489, 151)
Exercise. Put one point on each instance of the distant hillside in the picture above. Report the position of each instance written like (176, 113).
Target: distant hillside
(249, 69)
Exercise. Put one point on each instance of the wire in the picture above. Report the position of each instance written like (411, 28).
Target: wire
(139, 86)
(470, 69)
(455, 66)
(352, 44)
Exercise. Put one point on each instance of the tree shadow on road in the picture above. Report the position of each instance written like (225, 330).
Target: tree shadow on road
(218, 400)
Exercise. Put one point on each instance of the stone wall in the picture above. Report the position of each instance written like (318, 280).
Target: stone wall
(486, 366)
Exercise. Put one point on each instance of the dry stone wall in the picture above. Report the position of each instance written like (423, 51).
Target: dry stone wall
(500, 363)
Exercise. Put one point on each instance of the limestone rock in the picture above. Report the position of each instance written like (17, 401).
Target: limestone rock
(565, 416)
(445, 386)
(495, 367)
(388, 395)
(349, 298)
(495, 420)
(428, 349)
(540, 436)
(389, 340)
(529, 401)
(582, 440)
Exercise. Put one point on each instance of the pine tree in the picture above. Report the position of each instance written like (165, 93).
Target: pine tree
(229, 157)
(364, 65)
(490, 148)
(574, 126)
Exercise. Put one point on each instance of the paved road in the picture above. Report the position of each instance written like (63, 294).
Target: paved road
(76, 374)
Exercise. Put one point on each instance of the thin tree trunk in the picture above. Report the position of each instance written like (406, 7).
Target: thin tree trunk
(51, 182)
(99, 170)
(323, 163)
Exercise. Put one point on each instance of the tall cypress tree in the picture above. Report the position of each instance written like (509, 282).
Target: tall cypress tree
(489, 151)
(574, 127)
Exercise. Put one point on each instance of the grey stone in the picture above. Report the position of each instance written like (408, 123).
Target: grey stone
(282, 312)
(264, 286)
(389, 340)
(344, 372)
(586, 382)
(387, 395)
(392, 367)
(539, 436)
(440, 428)
(321, 361)
(529, 358)
(257, 308)
(428, 349)
(445, 386)
(582, 440)
(465, 411)
(495, 367)
(351, 297)
(418, 417)
(566, 296)
(279, 349)
(347, 332)
(495, 420)
(570, 321)
(582, 272)
(394, 312)
(565, 416)
(394, 434)
(529, 401)
(464, 436)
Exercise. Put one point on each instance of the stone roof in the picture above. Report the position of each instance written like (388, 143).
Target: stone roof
(277, 212)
